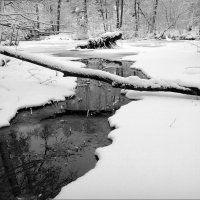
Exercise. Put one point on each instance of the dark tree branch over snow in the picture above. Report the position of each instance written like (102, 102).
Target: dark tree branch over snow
(132, 83)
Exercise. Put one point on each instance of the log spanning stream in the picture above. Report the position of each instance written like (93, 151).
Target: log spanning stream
(48, 147)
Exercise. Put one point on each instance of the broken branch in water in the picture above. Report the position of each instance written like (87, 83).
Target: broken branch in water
(132, 82)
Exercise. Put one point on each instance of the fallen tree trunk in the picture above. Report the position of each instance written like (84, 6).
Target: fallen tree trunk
(132, 82)
(107, 40)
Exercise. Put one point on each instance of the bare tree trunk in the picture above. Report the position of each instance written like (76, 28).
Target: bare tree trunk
(51, 21)
(103, 10)
(38, 17)
(2, 11)
(1, 33)
(117, 14)
(85, 17)
(136, 18)
(134, 83)
(58, 15)
(2, 6)
(11, 36)
(138, 13)
(106, 15)
(122, 12)
(153, 25)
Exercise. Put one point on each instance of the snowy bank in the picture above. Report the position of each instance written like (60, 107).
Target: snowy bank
(154, 154)
(155, 150)
(26, 85)
(172, 60)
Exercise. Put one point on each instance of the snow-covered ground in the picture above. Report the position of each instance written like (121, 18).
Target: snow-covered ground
(26, 85)
(156, 144)
(172, 60)
(156, 150)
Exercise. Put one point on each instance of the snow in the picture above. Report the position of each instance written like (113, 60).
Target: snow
(111, 34)
(155, 150)
(172, 60)
(60, 36)
(26, 85)
(69, 67)
(154, 154)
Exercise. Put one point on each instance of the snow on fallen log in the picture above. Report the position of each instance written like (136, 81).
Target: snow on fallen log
(133, 82)
(106, 40)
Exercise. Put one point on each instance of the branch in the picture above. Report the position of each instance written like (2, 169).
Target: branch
(145, 17)
(9, 14)
(27, 18)
(31, 28)
(132, 83)
(172, 24)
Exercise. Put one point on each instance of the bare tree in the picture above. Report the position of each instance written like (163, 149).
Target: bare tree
(153, 25)
(122, 12)
(85, 16)
(38, 17)
(103, 11)
(58, 14)
(136, 15)
(2, 11)
(119, 13)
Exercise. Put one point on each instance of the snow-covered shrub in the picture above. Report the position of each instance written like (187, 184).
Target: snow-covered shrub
(8, 43)
(3, 61)
(106, 40)
(184, 35)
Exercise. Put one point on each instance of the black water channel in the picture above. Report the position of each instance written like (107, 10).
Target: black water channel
(46, 148)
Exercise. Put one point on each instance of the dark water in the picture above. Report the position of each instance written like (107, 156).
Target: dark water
(48, 147)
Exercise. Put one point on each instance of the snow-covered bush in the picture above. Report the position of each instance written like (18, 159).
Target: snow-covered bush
(8, 43)
(106, 40)
(3, 61)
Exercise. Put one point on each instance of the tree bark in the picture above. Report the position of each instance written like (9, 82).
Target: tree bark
(153, 25)
(85, 17)
(38, 17)
(122, 12)
(1, 11)
(101, 12)
(131, 83)
(136, 17)
(2, 6)
(51, 21)
(117, 13)
(58, 15)
(106, 14)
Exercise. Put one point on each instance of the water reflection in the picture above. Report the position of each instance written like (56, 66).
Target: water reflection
(95, 96)
(37, 159)
(48, 147)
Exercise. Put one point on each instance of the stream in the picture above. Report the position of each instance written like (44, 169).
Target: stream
(47, 147)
